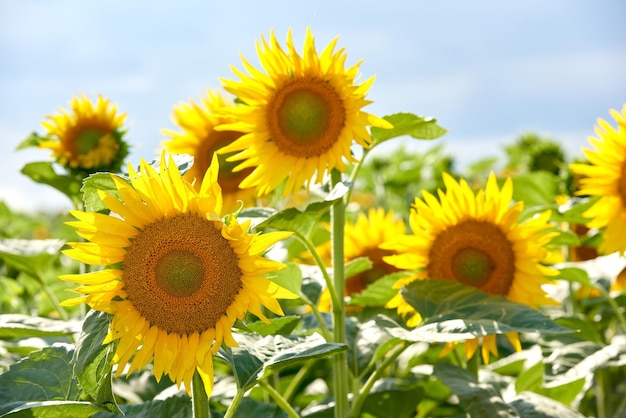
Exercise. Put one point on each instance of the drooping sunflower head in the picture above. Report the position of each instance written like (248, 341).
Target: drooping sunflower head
(200, 139)
(299, 117)
(363, 239)
(88, 137)
(176, 276)
(605, 176)
(475, 239)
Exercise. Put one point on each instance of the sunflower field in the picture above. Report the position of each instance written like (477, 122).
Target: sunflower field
(269, 262)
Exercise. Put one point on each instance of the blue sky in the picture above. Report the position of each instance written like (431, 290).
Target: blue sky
(488, 70)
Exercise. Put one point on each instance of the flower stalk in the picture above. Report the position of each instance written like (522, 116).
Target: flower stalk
(199, 398)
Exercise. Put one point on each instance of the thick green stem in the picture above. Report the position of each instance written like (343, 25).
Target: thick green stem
(199, 398)
(367, 387)
(340, 362)
(279, 399)
(230, 412)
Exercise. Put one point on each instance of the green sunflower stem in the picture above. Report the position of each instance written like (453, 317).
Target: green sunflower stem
(279, 399)
(199, 398)
(340, 362)
(230, 412)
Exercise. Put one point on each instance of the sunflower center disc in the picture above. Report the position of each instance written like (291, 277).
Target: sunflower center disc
(475, 253)
(180, 273)
(88, 140)
(306, 117)
(471, 266)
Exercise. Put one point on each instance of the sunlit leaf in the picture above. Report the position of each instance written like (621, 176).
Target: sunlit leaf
(90, 187)
(420, 127)
(25, 326)
(282, 325)
(477, 399)
(253, 408)
(303, 223)
(290, 277)
(51, 409)
(258, 357)
(530, 379)
(356, 266)
(92, 360)
(43, 173)
(535, 188)
(379, 292)
(44, 375)
(30, 256)
(450, 307)
(529, 404)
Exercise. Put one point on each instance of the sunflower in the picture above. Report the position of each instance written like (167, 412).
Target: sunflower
(88, 138)
(200, 139)
(605, 176)
(299, 118)
(178, 275)
(476, 240)
(362, 239)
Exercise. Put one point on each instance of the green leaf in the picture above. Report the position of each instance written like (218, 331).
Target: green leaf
(529, 404)
(30, 256)
(258, 357)
(282, 325)
(45, 375)
(574, 274)
(304, 223)
(393, 397)
(92, 360)
(373, 339)
(420, 127)
(90, 187)
(449, 307)
(172, 407)
(43, 172)
(565, 393)
(253, 408)
(477, 399)
(182, 161)
(535, 188)
(33, 140)
(356, 266)
(53, 409)
(256, 215)
(379, 292)
(530, 379)
(290, 277)
(25, 326)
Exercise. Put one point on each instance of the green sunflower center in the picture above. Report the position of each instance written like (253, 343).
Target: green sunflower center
(306, 117)
(475, 253)
(471, 266)
(88, 140)
(180, 273)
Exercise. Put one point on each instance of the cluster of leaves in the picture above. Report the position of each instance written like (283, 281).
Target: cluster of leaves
(53, 363)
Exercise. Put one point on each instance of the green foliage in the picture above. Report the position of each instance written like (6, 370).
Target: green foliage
(420, 127)
(44, 173)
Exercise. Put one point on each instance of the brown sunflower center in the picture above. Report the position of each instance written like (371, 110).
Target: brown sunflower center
(475, 253)
(358, 282)
(181, 274)
(306, 117)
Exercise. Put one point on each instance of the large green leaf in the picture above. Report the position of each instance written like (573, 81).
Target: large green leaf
(253, 408)
(535, 188)
(258, 357)
(371, 341)
(379, 292)
(45, 375)
(420, 127)
(52, 409)
(304, 222)
(30, 256)
(172, 407)
(393, 397)
(25, 326)
(43, 173)
(92, 360)
(290, 277)
(356, 266)
(529, 404)
(90, 187)
(477, 399)
(282, 325)
(452, 308)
